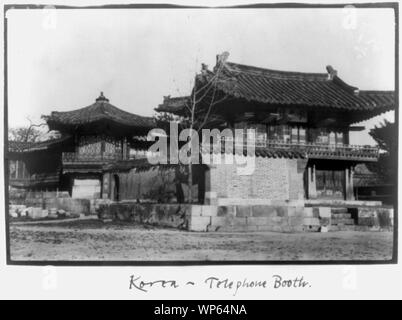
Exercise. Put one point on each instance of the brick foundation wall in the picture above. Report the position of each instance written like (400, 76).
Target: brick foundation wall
(275, 179)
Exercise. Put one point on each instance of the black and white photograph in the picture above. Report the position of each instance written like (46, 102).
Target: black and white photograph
(260, 134)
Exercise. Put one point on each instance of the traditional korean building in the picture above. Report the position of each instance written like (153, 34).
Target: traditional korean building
(302, 121)
(95, 141)
(37, 165)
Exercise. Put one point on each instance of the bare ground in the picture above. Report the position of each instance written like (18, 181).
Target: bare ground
(94, 240)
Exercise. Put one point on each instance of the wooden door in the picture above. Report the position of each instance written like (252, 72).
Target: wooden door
(330, 184)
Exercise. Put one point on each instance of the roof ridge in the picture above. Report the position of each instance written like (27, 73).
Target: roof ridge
(231, 66)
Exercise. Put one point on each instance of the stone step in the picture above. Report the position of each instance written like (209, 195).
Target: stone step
(342, 222)
(341, 228)
(341, 215)
(339, 210)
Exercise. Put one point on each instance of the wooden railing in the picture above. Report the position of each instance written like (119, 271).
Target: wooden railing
(312, 150)
(73, 157)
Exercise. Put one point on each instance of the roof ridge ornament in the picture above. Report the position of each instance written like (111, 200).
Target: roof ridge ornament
(332, 73)
(102, 98)
(222, 58)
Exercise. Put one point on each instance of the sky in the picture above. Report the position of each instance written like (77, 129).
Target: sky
(60, 60)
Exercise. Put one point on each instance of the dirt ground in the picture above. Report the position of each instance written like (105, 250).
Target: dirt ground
(94, 240)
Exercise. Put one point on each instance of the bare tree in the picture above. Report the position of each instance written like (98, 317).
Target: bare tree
(198, 106)
(31, 133)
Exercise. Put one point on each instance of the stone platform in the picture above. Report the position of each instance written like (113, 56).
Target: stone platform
(247, 218)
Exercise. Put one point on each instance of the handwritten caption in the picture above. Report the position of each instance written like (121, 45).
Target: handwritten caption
(216, 283)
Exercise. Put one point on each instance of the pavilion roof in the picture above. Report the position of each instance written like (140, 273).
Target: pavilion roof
(100, 111)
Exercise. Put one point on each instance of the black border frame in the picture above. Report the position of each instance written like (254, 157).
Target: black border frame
(374, 5)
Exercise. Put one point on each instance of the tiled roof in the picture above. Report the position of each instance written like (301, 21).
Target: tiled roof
(39, 179)
(288, 88)
(297, 88)
(21, 146)
(173, 104)
(363, 177)
(100, 110)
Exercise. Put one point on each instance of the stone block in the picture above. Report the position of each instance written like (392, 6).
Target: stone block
(265, 228)
(293, 211)
(264, 211)
(224, 211)
(311, 228)
(199, 223)
(368, 221)
(324, 212)
(341, 215)
(310, 213)
(209, 211)
(234, 228)
(229, 220)
(311, 221)
(257, 221)
(243, 211)
(339, 210)
(295, 221)
(283, 211)
(244, 228)
(13, 214)
(325, 221)
(29, 212)
(295, 229)
(37, 213)
(196, 210)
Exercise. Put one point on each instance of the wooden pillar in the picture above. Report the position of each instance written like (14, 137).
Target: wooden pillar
(352, 195)
(311, 182)
(349, 184)
(16, 169)
(106, 184)
(126, 153)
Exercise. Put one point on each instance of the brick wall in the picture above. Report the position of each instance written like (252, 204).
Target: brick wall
(296, 170)
(275, 179)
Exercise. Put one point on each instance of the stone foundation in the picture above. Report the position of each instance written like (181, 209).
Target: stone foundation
(76, 206)
(233, 218)
(375, 218)
(165, 215)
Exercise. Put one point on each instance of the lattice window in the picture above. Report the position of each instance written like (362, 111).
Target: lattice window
(90, 145)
